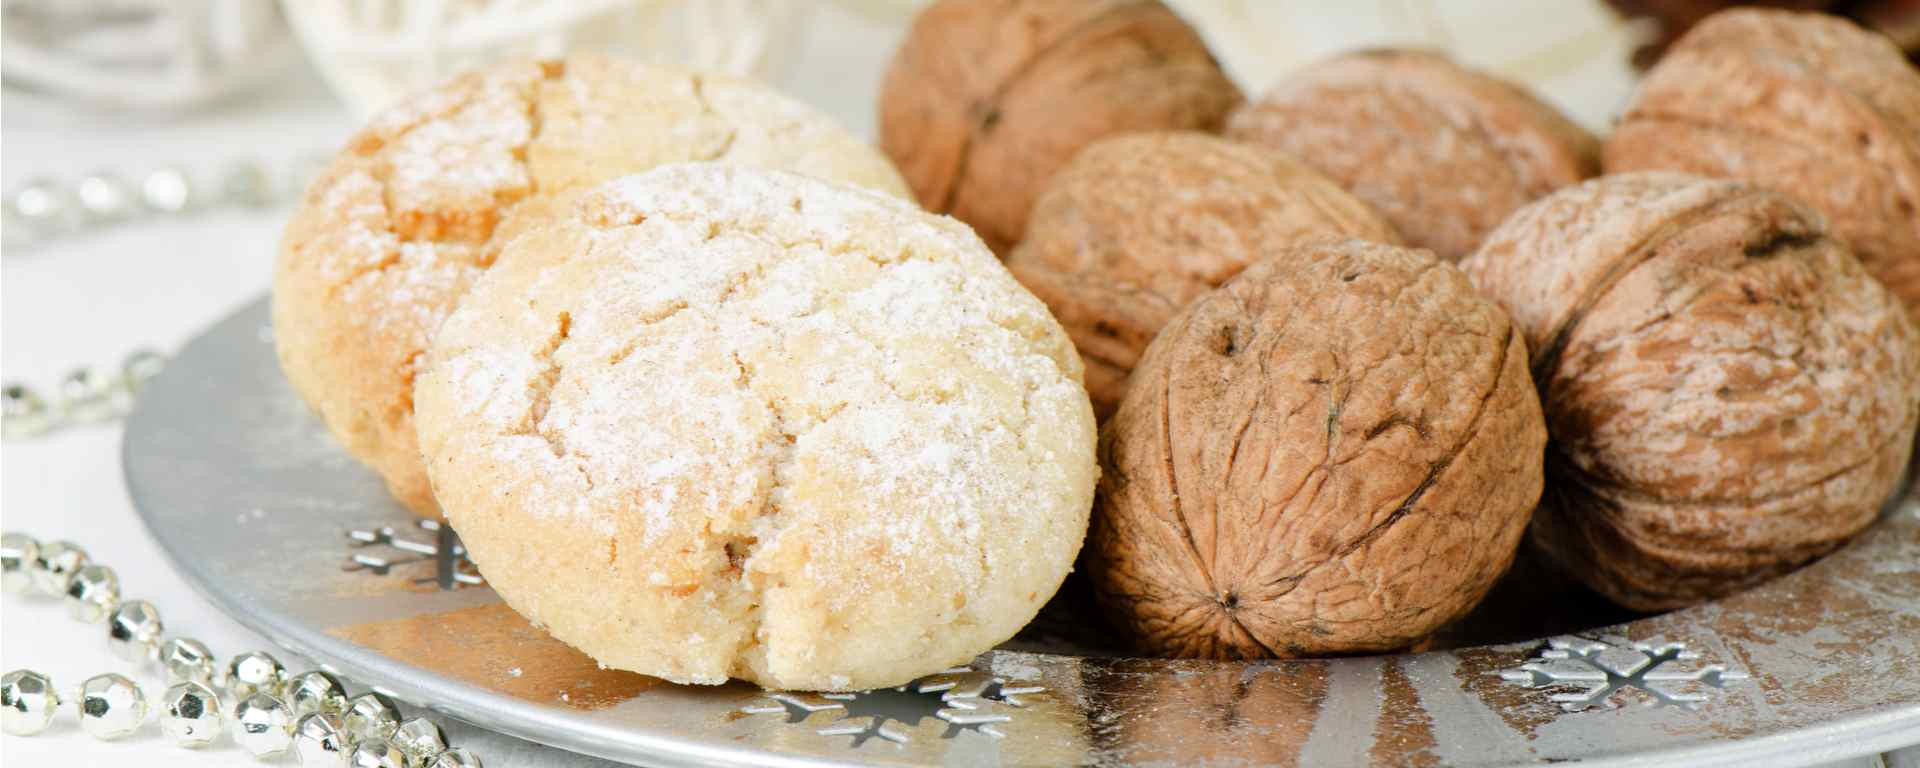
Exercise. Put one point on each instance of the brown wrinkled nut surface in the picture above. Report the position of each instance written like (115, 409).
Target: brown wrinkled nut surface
(1335, 452)
(418, 204)
(1730, 394)
(1139, 225)
(986, 99)
(1443, 151)
(1806, 104)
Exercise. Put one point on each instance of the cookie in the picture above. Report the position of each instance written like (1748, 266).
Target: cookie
(421, 202)
(736, 423)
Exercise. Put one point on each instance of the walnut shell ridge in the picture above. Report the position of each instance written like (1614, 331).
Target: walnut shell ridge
(1335, 452)
(1730, 393)
(986, 99)
(1443, 151)
(1139, 225)
(1803, 103)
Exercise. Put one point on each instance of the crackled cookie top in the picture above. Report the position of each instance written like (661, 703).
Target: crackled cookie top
(733, 423)
(418, 205)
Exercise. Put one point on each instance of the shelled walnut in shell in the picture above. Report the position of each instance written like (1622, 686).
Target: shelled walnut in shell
(1445, 152)
(1337, 451)
(987, 98)
(1138, 225)
(1803, 103)
(1730, 393)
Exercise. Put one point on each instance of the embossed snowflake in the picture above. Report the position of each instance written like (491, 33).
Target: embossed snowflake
(961, 698)
(1603, 669)
(380, 550)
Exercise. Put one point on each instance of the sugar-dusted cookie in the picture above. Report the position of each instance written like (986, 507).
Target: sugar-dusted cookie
(422, 201)
(729, 422)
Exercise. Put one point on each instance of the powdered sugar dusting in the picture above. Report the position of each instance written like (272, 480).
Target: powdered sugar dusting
(789, 397)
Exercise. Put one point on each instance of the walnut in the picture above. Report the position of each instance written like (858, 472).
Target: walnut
(1730, 394)
(1139, 225)
(1335, 452)
(1805, 104)
(987, 98)
(1443, 151)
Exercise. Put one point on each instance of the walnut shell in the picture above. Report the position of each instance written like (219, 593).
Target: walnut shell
(1335, 452)
(1730, 394)
(1139, 225)
(1803, 103)
(1445, 152)
(987, 98)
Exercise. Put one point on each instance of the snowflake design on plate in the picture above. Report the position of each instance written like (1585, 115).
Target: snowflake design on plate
(391, 549)
(963, 699)
(1603, 669)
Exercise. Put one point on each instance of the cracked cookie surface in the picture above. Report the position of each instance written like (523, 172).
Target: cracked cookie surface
(733, 423)
(419, 204)
(1335, 452)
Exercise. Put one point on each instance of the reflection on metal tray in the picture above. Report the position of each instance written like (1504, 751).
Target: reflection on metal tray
(264, 514)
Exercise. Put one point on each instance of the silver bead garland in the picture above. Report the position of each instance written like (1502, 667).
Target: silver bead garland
(271, 711)
(42, 210)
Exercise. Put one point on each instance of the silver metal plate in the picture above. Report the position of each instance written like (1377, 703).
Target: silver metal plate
(253, 501)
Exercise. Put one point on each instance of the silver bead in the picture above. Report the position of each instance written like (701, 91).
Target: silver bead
(57, 562)
(372, 716)
(103, 197)
(27, 702)
(320, 739)
(25, 414)
(17, 553)
(245, 184)
(190, 714)
(316, 692)
(262, 725)
(139, 368)
(133, 630)
(88, 397)
(255, 672)
(455, 758)
(376, 753)
(111, 706)
(167, 190)
(187, 660)
(419, 739)
(41, 205)
(92, 593)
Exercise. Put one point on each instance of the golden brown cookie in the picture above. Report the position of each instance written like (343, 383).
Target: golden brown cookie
(740, 423)
(421, 202)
